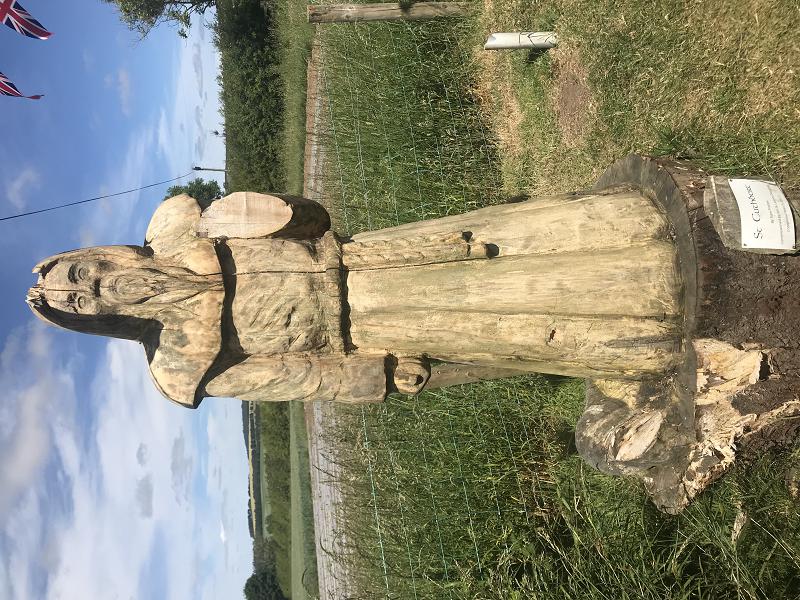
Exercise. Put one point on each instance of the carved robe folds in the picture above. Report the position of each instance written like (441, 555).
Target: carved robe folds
(581, 285)
(283, 331)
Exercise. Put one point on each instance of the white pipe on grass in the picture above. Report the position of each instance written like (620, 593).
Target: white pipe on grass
(522, 39)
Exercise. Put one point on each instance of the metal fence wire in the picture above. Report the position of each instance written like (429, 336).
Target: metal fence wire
(423, 497)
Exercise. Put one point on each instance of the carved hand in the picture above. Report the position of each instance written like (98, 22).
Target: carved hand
(411, 375)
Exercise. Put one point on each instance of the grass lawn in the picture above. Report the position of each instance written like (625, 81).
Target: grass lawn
(304, 550)
(476, 492)
(716, 82)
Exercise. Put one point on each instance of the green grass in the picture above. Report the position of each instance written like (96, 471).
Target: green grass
(304, 550)
(714, 82)
(295, 35)
(405, 139)
(275, 484)
(476, 492)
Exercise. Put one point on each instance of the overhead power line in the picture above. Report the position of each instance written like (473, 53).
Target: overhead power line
(42, 210)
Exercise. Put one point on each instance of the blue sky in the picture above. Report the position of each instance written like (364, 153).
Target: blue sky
(107, 490)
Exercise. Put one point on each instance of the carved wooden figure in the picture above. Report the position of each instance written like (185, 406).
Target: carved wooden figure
(254, 297)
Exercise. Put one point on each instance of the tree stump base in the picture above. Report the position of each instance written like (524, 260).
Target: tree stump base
(736, 393)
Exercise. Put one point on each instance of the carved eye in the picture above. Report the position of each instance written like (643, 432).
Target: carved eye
(71, 302)
(83, 272)
(80, 302)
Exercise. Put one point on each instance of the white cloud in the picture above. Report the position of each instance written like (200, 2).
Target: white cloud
(142, 455)
(34, 392)
(184, 131)
(118, 472)
(164, 133)
(181, 468)
(90, 498)
(88, 59)
(144, 496)
(197, 64)
(86, 237)
(124, 91)
(122, 510)
(39, 401)
(26, 181)
(121, 83)
(24, 525)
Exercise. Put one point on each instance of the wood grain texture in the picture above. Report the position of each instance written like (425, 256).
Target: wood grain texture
(632, 428)
(735, 393)
(386, 11)
(638, 281)
(412, 251)
(171, 236)
(251, 215)
(579, 285)
(542, 343)
(547, 225)
(305, 377)
(448, 374)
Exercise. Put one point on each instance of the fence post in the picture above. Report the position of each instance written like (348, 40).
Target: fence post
(386, 11)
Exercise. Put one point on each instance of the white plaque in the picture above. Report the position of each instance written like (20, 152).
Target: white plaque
(767, 220)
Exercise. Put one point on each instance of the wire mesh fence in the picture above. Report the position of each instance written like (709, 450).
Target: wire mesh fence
(427, 497)
(476, 491)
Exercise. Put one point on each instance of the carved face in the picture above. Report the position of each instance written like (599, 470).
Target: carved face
(91, 287)
(79, 286)
(79, 289)
(111, 290)
(76, 289)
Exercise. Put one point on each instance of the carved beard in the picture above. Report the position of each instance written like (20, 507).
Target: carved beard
(152, 287)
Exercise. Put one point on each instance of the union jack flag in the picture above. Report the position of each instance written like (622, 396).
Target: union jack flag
(9, 89)
(21, 21)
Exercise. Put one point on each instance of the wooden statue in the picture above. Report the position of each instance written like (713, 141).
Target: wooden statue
(628, 285)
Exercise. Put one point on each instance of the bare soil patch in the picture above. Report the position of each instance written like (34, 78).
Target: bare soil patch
(571, 97)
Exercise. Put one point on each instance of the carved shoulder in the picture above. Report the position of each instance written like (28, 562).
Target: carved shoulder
(174, 217)
(252, 215)
(172, 236)
(184, 347)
